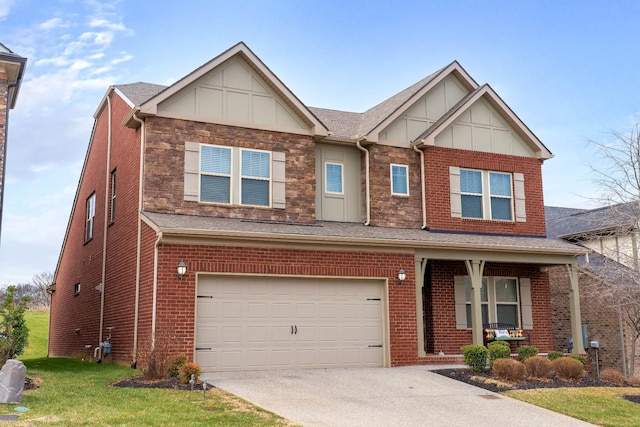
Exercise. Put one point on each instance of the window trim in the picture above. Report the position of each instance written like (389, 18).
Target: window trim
(486, 196)
(406, 178)
(326, 176)
(230, 175)
(90, 217)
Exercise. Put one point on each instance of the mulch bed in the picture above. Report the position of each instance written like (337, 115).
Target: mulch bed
(140, 381)
(486, 381)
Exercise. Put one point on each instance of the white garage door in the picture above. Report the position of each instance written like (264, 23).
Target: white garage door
(280, 323)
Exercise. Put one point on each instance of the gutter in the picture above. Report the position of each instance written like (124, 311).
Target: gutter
(367, 193)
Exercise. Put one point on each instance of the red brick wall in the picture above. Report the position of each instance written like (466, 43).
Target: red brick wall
(164, 168)
(603, 323)
(75, 319)
(388, 210)
(449, 339)
(438, 160)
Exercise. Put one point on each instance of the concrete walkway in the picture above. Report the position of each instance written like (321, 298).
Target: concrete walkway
(403, 396)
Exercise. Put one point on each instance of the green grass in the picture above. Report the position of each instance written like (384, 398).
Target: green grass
(603, 406)
(73, 392)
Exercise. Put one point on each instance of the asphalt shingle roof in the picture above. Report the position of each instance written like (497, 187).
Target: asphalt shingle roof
(140, 92)
(574, 222)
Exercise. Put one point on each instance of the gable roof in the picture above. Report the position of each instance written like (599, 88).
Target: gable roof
(150, 106)
(485, 91)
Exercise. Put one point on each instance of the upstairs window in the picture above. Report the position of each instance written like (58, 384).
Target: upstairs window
(112, 207)
(486, 194)
(90, 217)
(399, 180)
(333, 177)
(236, 176)
(256, 178)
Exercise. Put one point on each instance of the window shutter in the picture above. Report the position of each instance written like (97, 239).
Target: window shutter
(456, 198)
(525, 303)
(278, 178)
(518, 186)
(460, 301)
(191, 171)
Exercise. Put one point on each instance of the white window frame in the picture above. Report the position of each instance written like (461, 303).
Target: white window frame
(326, 176)
(112, 204)
(406, 169)
(90, 217)
(230, 175)
(492, 303)
(486, 196)
(256, 178)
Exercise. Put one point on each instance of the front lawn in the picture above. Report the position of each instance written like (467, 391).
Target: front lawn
(73, 392)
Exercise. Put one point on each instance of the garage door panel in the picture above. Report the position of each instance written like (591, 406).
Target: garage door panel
(282, 323)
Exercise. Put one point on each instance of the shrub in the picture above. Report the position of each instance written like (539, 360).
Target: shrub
(612, 375)
(568, 368)
(634, 381)
(187, 370)
(475, 357)
(580, 359)
(13, 325)
(509, 370)
(498, 350)
(176, 364)
(155, 360)
(553, 355)
(526, 351)
(538, 366)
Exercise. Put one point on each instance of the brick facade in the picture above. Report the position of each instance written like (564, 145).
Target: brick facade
(437, 163)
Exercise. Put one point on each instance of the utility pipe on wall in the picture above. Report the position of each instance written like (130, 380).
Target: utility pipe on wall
(366, 160)
(106, 219)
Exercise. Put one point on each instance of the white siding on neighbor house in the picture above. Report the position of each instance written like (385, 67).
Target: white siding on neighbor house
(481, 128)
(255, 323)
(423, 113)
(618, 248)
(232, 93)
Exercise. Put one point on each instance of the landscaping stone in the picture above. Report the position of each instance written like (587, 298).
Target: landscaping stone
(12, 378)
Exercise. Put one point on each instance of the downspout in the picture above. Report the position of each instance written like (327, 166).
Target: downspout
(105, 225)
(155, 291)
(422, 186)
(138, 243)
(366, 161)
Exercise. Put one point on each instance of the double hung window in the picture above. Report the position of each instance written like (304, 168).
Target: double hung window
(90, 217)
(498, 298)
(486, 194)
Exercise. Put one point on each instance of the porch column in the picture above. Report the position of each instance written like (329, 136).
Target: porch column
(475, 268)
(421, 265)
(574, 310)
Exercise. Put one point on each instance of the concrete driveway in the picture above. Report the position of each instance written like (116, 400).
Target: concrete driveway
(403, 396)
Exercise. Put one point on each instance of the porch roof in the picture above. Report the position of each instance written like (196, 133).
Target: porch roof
(182, 227)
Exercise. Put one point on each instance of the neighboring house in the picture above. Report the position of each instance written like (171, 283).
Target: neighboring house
(11, 71)
(612, 234)
(311, 237)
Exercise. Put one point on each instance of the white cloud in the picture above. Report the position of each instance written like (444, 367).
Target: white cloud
(53, 23)
(5, 8)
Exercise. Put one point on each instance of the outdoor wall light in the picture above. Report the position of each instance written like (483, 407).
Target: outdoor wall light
(401, 276)
(182, 270)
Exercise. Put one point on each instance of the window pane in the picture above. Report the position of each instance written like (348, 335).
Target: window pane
(484, 295)
(471, 206)
(470, 181)
(333, 178)
(256, 164)
(399, 179)
(506, 290)
(508, 314)
(500, 184)
(255, 192)
(215, 160)
(485, 314)
(214, 188)
(500, 208)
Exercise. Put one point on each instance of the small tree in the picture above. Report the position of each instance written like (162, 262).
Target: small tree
(14, 334)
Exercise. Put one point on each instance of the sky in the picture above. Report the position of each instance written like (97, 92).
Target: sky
(568, 69)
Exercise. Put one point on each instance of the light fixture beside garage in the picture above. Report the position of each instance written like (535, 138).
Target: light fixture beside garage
(182, 270)
(401, 276)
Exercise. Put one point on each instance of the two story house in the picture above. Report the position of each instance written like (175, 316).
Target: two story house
(247, 230)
